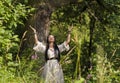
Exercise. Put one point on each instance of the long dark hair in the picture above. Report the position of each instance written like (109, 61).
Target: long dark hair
(56, 49)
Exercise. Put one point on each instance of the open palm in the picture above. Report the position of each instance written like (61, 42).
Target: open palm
(33, 29)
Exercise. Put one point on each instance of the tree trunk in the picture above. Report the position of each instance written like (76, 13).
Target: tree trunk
(92, 26)
(41, 22)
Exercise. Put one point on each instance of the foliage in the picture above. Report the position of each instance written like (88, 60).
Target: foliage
(105, 64)
(11, 15)
(95, 42)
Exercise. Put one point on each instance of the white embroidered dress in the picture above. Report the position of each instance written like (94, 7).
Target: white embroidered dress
(52, 70)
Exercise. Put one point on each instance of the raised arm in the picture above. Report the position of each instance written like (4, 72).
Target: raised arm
(65, 46)
(35, 35)
(68, 39)
(39, 47)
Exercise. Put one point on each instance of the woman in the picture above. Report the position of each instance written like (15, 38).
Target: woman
(52, 70)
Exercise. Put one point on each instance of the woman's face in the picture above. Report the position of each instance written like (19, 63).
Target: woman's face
(51, 38)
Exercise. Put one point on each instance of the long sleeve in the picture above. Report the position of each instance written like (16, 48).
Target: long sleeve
(63, 47)
(39, 47)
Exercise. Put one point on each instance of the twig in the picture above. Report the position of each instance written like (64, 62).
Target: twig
(113, 53)
(67, 55)
(92, 14)
(17, 57)
(40, 69)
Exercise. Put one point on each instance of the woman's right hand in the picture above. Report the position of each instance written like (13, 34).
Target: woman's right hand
(35, 35)
(33, 29)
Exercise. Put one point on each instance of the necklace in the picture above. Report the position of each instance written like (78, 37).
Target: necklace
(51, 49)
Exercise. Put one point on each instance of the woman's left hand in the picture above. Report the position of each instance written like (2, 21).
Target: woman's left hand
(70, 29)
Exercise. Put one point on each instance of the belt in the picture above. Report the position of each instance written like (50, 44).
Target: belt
(52, 58)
